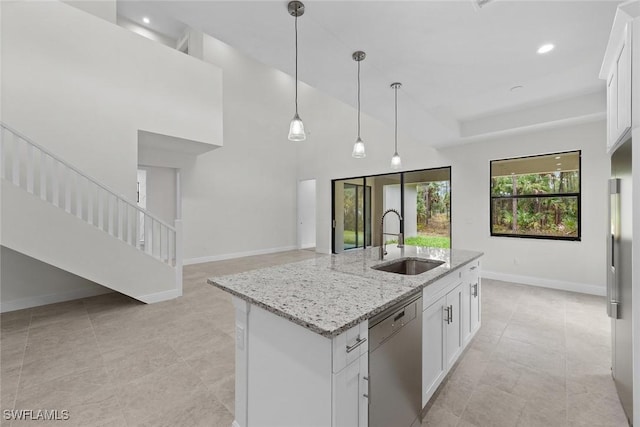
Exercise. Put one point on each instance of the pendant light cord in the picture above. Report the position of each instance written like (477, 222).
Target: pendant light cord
(358, 99)
(296, 29)
(396, 121)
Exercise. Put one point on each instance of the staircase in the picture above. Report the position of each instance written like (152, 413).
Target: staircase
(54, 213)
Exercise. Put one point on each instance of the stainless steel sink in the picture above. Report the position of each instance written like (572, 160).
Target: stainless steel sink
(409, 266)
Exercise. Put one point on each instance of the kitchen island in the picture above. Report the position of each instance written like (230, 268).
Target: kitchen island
(302, 329)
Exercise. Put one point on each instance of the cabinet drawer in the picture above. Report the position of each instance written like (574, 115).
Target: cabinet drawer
(440, 287)
(350, 345)
(471, 272)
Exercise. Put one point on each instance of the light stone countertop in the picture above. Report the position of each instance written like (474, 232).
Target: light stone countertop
(330, 294)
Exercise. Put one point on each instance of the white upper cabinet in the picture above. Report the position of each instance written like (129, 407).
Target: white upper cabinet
(616, 70)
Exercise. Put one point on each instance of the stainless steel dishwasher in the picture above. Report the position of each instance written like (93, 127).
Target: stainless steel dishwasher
(395, 367)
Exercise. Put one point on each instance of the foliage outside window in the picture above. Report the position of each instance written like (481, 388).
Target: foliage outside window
(536, 197)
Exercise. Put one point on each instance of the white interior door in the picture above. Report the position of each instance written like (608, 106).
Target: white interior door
(307, 214)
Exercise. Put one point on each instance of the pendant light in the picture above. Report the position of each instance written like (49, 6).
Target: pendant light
(296, 128)
(396, 163)
(358, 147)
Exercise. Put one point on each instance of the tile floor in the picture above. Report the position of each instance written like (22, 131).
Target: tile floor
(541, 358)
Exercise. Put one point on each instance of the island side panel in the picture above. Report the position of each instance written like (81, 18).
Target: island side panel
(288, 375)
(241, 317)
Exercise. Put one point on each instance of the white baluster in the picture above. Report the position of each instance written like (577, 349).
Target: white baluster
(148, 239)
(30, 168)
(100, 208)
(110, 214)
(139, 228)
(15, 168)
(79, 180)
(90, 193)
(162, 242)
(43, 175)
(119, 205)
(3, 153)
(130, 219)
(67, 189)
(55, 181)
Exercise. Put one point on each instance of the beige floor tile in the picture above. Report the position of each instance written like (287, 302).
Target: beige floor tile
(587, 409)
(454, 395)
(50, 367)
(165, 391)
(489, 406)
(438, 416)
(130, 363)
(541, 358)
(204, 410)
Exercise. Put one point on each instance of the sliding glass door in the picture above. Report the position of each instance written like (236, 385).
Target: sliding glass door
(354, 217)
(423, 199)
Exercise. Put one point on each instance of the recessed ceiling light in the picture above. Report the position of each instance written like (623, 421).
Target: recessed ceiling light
(515, 88)
(545, 48)
(146, 20)
(557, 157)
(558, 169)
(558, 164)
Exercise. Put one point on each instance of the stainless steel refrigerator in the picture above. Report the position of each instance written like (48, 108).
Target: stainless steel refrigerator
(619, 275)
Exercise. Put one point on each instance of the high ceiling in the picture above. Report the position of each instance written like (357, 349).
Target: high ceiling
(457, 62)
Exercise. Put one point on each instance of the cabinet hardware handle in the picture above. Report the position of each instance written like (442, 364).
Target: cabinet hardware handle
(451, 313)
(365, 378)
(366, 396)
(357, 344)
(473, 268)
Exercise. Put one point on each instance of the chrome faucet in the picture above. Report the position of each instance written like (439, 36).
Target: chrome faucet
(383, 244)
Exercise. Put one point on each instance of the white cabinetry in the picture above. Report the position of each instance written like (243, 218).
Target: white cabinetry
(450, 318)
(617, 71)
(350, 379)
(287, 375)
(619, 92)
(471, 297)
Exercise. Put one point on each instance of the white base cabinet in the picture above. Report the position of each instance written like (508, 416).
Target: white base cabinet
(287, 375)
(451, 317)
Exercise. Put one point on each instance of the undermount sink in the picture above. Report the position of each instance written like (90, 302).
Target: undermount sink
(409, 266)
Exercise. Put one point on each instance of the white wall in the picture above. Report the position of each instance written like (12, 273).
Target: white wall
(83, 87)
(307, 213)
(161, 192)
(105, 9)
(572, 265)
(22, 284)
(241, 198)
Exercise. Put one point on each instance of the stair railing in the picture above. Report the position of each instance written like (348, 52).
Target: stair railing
(38, 171)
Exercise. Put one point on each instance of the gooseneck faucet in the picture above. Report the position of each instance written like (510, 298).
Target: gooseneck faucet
(383, 244)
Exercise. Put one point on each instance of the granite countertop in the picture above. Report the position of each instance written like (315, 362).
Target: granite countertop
(330, 294)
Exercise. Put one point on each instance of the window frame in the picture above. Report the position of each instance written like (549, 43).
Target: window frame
(578, 195)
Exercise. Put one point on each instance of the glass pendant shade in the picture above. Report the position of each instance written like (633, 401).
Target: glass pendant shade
(358, 149)
(396, 163)
(296, 129)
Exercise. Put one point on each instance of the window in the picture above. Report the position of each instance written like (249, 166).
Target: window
(536, 197)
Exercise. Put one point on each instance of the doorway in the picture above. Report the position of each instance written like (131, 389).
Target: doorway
(307, 214)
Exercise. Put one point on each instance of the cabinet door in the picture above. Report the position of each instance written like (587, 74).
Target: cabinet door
(434, 366)
(465, 312)
(619, 93)
(453, 332)
(475, 305)
(350, 394)
(612, 109)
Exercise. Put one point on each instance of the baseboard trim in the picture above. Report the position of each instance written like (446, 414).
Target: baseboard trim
(39, 300)
(160, 296)
(546, 283)
(200, 260)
